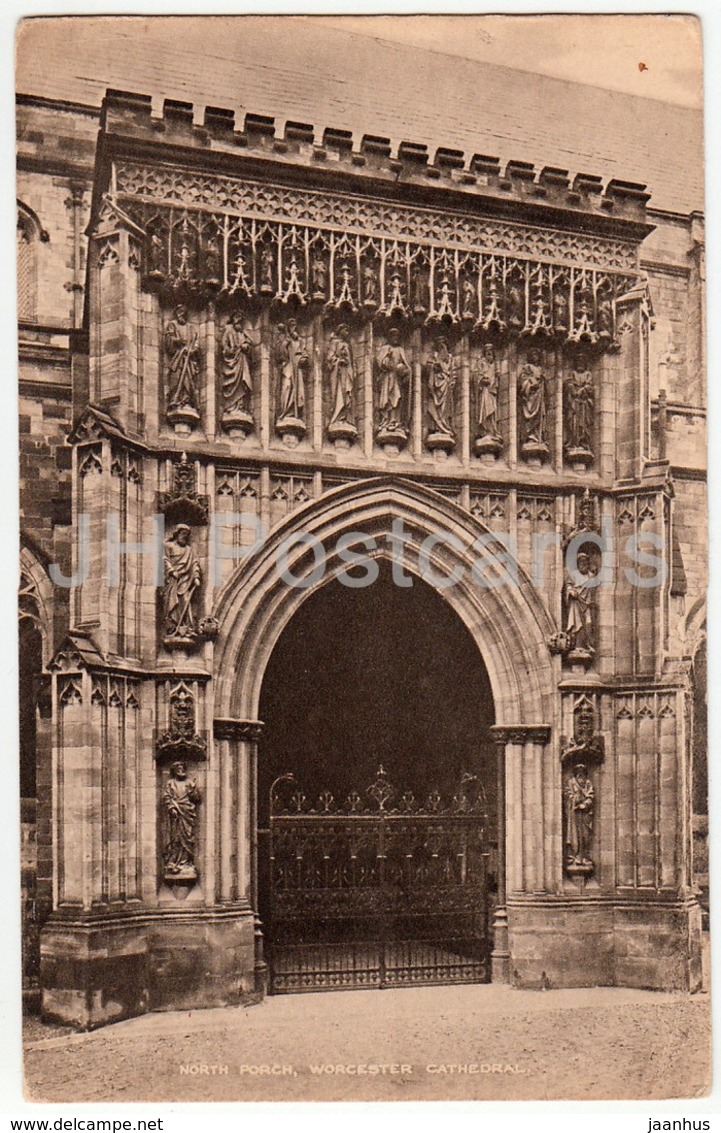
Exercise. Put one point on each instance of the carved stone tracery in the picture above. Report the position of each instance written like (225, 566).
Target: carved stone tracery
(165, 190)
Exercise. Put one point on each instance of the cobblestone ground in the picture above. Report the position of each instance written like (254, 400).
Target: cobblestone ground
(595, 1043)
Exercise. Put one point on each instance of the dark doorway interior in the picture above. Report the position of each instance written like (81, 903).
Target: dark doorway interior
(367, 881)
(385, 674)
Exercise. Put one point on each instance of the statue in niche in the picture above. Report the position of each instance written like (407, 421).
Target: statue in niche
(516, 304)
(579, 406)
(441, 369)
(370, 285)
(339, 364)
(468, 301)
(578, 594)
(532, 408)
(212, 261)
(488, 439)
(156, 256)
(579, 798)
(293, 362)
(236, 352)
(419, 291)
(560, 312)
(319, 277)
(394, 372)
(604, 316)
(183, 351)
(180, 801)
(182, 578)
(266, 269)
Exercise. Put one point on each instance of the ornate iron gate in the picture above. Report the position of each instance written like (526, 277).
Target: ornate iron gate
(379, 891)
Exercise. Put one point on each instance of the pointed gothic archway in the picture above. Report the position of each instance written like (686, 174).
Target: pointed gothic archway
(507, 624)
(378, 859)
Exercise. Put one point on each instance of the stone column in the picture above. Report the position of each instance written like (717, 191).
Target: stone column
(521, 817)
(632, 407)
(114, 260)
(238, 814)
(500, 956)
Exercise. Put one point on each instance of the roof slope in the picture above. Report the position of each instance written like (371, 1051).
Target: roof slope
(291, 68)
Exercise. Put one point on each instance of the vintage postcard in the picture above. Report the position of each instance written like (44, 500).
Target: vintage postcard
(363, 558)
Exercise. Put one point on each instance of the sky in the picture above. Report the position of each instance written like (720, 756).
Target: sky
(656, 56)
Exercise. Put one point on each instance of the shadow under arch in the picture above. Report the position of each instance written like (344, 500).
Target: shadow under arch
(508, 622)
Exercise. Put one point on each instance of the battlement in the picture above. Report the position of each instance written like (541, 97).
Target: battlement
(618, 205)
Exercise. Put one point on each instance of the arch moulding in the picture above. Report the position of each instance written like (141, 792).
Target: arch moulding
(508, 621)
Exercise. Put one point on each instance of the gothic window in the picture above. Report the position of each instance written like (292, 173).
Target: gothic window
(26, 268)
(29, 232)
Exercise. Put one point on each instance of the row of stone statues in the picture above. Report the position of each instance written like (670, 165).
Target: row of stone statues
(393, 373)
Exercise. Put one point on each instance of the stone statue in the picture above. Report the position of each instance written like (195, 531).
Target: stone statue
(156, 256)
(212, 261)
(468, 304)
(181, 346)
(604, 317)
(441, 386)
(532, 406)
(488, 442)
(560, 312)
(182, 580)
(180, 802)
(579, 405)
(487, 382)
(319, 277)
(579, 821)
(236, 350)
(293, 362)
(370, 285)
(394, 372)
(579, 609)
(516, 304)
(419, 291)
(266, 269)
(339, 363)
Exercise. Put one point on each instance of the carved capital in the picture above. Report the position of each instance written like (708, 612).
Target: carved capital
(247, 730)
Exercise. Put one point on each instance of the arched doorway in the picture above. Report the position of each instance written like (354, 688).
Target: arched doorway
(508, 624)
(378, 858)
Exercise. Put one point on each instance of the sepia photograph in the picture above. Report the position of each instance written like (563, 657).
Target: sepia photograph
(363, 558)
